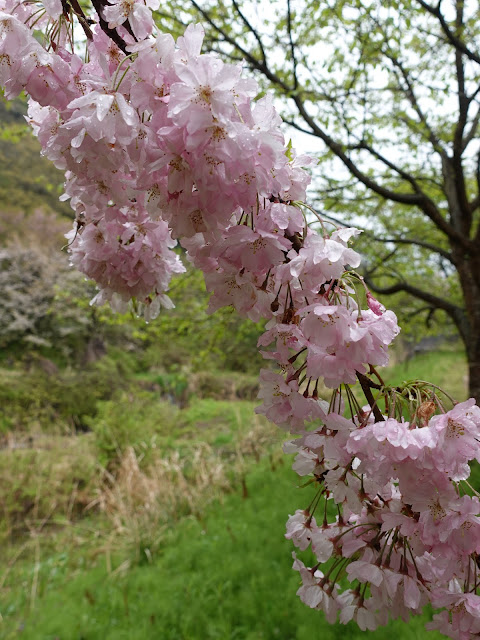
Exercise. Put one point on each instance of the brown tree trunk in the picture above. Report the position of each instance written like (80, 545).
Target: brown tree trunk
(468, 323)
(474, 379)
(473, 357)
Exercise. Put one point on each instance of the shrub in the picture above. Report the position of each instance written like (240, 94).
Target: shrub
(224, 385)
(57, 402)
(130, 420)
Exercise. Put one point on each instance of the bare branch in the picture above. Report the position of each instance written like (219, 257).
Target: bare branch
(419, 199)
(82, 18)
(477, 174)
(367, 386)
(461, 213)
(292, 46)
(472, 131)
(254, 62)
(416, 312)
(401, 172)
(251, 29)
(111, 33)
(380, 263)
(410, 93)
(476, 202)
(171, 16)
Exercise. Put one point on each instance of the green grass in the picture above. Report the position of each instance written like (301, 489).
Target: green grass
(225, 577)
(219, 571)
(143, 420)
(205, 414)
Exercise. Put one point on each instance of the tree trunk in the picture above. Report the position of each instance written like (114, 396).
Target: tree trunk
(474, 379)
(469, 324)
(473, 354)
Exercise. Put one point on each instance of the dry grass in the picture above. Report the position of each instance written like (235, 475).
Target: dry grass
(52, 483)
(44, 478)
(143, 503)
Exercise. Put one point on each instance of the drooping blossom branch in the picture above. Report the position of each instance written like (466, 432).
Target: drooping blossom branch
(159, 144)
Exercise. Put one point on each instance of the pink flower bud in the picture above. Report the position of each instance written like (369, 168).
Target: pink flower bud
(374, 305)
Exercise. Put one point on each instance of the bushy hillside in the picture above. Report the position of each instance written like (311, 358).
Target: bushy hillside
(27, 181)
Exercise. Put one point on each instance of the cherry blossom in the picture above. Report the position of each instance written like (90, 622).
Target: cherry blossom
(137, 12)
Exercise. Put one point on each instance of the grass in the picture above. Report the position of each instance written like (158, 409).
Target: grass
(224, 575)
(55, 479)
(146, 463)
(185, 536)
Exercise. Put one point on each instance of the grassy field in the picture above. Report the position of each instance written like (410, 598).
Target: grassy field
(224, 575)
(166, 523)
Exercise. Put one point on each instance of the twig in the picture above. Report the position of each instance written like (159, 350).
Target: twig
(367, 385)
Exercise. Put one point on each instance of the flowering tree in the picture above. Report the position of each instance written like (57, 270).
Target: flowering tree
(160, 143)
(389, 91)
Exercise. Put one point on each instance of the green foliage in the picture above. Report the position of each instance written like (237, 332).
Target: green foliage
(130, 419)
(39, 291)
(43, 398)
(189, 335)
(45, 304)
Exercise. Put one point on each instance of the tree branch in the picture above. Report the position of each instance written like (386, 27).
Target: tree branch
(439, 303)
(419, 199)
(418, 243)
(367, 386)
(401, 172)
(98, 5)
(454, 40)
(292, 46)
(252, 30)
(254, 62)
(82, 18)
(380, 262)
(410, 93)
(463, 213)
(472, 131)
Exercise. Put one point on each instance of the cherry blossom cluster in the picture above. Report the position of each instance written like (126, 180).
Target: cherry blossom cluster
(161, 143)
(406, 533)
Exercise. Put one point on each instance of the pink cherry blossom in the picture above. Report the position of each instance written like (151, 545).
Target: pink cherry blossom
(137, 12)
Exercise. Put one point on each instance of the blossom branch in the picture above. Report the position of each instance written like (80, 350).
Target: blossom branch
(367, 386)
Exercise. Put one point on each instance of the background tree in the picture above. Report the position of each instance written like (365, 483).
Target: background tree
(391, 91)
